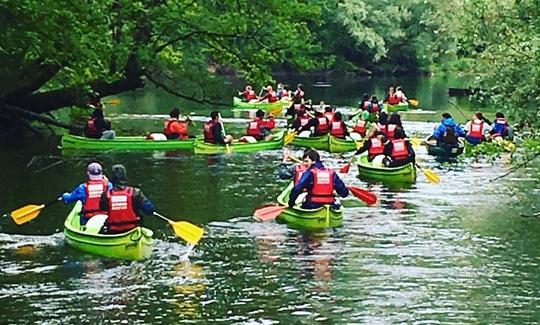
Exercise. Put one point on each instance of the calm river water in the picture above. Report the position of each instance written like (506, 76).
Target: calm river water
(458, 252)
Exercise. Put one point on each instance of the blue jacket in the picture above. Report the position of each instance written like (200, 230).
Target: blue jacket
(78, 194)
(441, 129)
(306, 182)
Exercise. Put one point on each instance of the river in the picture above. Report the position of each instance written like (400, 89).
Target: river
(462, 251)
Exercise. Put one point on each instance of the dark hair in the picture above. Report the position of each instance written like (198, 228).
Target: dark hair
(214, 115)
(479, 115)
(119, 175)
(318, 114)
(395, 119)
(374, 98)
(328, 109)
(499, 115)
(377, 133)
(446, 115)
(311, 154)
(399, 88)
(383, 118)
(175, 112)
(337, 116)
(98, 112)
(365, 97)
(399, 133)
(300, 86)
(259, 113)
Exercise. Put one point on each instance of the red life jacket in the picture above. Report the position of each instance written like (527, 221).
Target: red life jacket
(390, 131)
(269, 124)
(299, 93)
(376, 148)
(476, 130)
(323, 125)
(208, 134)
(365, 104)
(250, 95)
(93, 190)
(374, 108)
(122, 215)
(272, 97)
(329, 116)
(360, 127)
(323, 186)
(298, 107)
(298, 172)
(394, 99)
(382, 128)
(91, 129)
(338, 129)
(304, 120)
(254, 128)
(400, 149)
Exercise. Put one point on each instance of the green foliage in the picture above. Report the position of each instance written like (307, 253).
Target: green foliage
(503, 37)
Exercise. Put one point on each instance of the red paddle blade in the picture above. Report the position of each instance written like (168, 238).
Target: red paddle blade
(368, 197)
(268, 213)
(345, 169)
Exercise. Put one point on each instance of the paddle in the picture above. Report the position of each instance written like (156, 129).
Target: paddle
(414, 102)
(345, 169)
(431, 176)
(227, 146)
(185, 230)
(268, 213)
(114, 101)
(30, 212)
(289, 138)
(416, 142)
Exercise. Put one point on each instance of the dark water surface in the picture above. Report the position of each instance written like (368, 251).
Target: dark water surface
(458, 252)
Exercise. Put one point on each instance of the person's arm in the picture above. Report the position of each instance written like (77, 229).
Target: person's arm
(270, 123)
(218, 134)
(103, 202)
(340, 187)
(411, 151)
(439, 131)
(286, 171)
(142, 203)
(388, 149)
(487, 128)
(365, 147)
(344, 126)
(303, 182)
(78, 194)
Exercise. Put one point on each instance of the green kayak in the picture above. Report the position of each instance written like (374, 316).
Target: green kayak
(276, 142)
(132, 245)
(444, 151)
(318, 143)
(239, 104)
(402, 174)
(396, 108)
(343, 145)
(313, 220)
(124, 143)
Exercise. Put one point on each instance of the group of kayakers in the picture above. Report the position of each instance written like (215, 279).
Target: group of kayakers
(476, 131)
(267, 94)
(120, 204)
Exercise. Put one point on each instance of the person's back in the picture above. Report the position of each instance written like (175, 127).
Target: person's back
(398, 151)
(173, 128)
(448, 132)
(501, 128)
(338, 127)
(124, 204)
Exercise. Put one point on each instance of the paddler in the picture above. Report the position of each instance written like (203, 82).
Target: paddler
(319, 182)
(89, 193)
(124, 204)
(214, 132)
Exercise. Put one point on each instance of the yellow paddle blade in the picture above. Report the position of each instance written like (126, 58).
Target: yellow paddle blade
(187, 231)
(26, 213)
(414, 102)
(289, 138)
(416, 142)
(359, 144)
(114, 101)
(431, 176)
(275, 111)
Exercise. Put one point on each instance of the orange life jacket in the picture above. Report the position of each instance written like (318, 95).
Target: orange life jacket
(122, 215)
(323, 186)
(93, 190)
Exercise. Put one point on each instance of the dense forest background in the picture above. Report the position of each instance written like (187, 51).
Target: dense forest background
(56, 54)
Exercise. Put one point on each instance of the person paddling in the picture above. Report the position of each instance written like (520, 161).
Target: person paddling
(319, 182)
(398, 151)
(214, 132)
(173, 128)
(501, 129)
(338, 128)
(97, 127)
(374, 146)
(260, 128)
(270, 96)
(124, 204)
(476, 129)
(448, 132)
(248, 94)
(89, 193)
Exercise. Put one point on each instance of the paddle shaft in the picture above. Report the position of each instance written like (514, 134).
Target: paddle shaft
(162, 217)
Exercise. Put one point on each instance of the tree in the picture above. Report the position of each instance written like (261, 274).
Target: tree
(59, 53)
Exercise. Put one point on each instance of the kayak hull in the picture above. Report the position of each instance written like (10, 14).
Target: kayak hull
(397, 108)
(343, 145)
(124, 143)
(135, 244)
(317, 143)
(443, 151)
(277, 142)
(312, 220)
(241, 105)
(402, 174)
